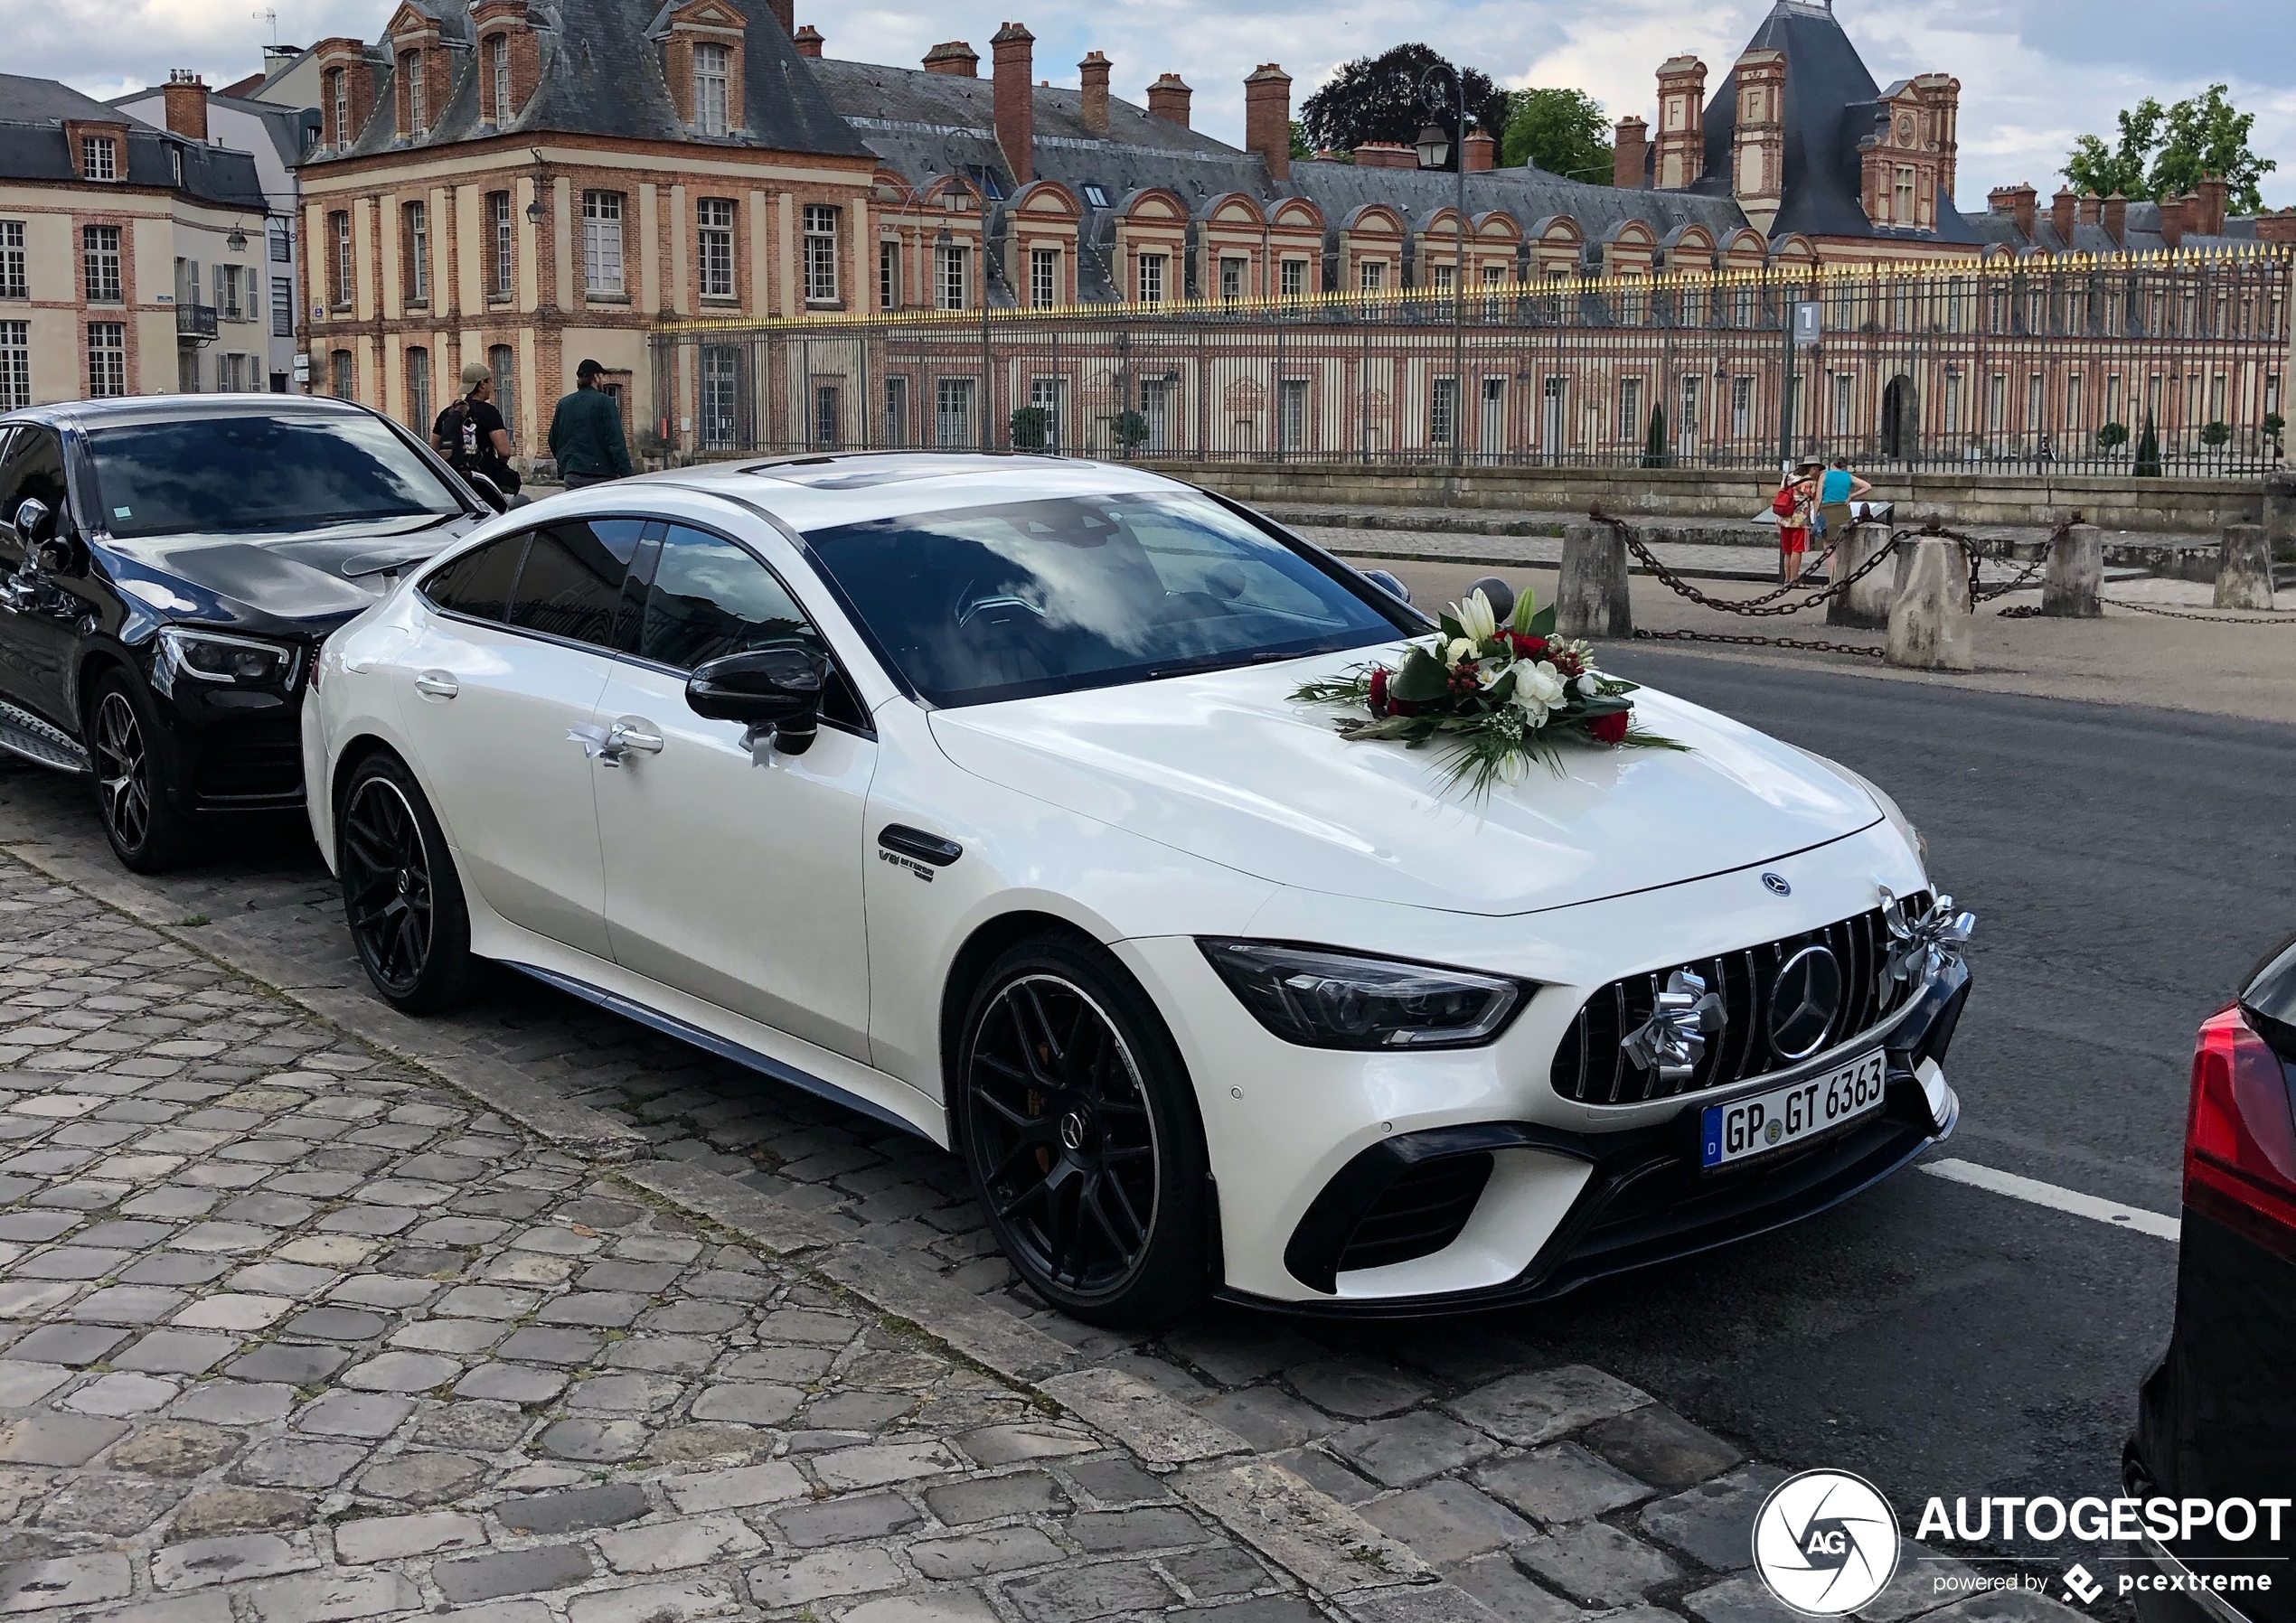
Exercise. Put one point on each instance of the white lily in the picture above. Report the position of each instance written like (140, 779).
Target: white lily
(1460, 650)
(1475, 617)
(1587, 687)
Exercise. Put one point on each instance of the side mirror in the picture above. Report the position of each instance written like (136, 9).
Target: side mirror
(1389, 583)
(488, 491)
(777, 688)
(32, 518)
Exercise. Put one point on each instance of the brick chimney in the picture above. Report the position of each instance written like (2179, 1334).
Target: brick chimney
(2277, 227)
(785, 12)
(2175, 212)
(2017, 203)
(2210, 221)
(807, 40)
(1481, 152)
(2092, 209)
(186, 94)
(954, 57)
(1385, 154)
(1094, 72)
(1168, 97)
(1631, 154)
(2061, 213)
(2116, 219)
(1014, 54)
(1681, 122)
(1267, 119)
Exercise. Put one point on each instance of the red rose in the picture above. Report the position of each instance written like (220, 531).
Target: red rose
(1404, 707)
(1525, 647)
(1610, 728)
(1379, 689)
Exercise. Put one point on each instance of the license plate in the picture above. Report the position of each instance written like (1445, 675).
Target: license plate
(1783, 1117)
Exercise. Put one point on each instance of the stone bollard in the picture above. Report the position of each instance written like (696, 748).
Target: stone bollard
(1590, 600)
(2244, 568)
(2077, 570)
(1866, 602)
(1932, 623)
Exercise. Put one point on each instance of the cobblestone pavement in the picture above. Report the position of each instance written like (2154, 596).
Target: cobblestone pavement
(292, 1328)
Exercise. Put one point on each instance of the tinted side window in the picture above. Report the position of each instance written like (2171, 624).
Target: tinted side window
(478, 583)
(711, 599)
(571, 583)
(34, 467)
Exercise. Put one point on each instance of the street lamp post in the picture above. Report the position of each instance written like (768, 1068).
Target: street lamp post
(1433, 147)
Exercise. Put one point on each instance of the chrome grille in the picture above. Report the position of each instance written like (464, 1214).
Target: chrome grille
(1591, 1068)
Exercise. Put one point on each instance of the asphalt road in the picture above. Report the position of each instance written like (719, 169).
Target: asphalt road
(2126, 866)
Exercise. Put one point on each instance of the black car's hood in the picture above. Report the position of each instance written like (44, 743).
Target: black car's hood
(312, 579)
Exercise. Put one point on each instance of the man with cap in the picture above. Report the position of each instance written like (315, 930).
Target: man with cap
(471, 434)
(585, 433)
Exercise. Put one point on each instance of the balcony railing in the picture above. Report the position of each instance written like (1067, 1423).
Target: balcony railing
(196, 321)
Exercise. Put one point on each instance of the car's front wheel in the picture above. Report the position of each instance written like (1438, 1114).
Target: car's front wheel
(1080, 1128)
(147, 833)
(401, 896)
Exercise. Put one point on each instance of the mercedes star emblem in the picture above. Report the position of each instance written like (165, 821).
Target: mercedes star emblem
(1775, 883)
(1803, 1001)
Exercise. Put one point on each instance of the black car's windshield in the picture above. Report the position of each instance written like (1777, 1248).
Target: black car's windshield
(990, 603)
(263, 471)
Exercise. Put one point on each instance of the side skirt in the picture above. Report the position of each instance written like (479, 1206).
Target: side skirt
(23, 734)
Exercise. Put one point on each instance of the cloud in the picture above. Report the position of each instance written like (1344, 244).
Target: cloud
(2035, 73)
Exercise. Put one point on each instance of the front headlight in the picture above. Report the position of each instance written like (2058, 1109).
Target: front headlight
(214, 657)
(1322, 999)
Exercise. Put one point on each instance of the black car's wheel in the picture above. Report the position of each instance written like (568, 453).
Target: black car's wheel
(132, 773)
(1081, 1131)
(401, 896)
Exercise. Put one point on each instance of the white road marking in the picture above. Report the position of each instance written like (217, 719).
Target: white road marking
(2111, 1211)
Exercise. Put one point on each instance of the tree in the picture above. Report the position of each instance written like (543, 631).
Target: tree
(1382, 98)
(1563, 131)
(2164, 152)
(1030, 426)
(1300, 148)
(2148, 451)
(1654, 442)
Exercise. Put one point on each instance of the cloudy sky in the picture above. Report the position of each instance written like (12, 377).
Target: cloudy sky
(2034, 73)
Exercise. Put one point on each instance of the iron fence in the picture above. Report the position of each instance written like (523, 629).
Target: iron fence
(2168, 363)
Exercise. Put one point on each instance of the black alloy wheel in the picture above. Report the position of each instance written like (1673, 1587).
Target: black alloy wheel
(146, 832)
(1080, 1128)
(401, 896)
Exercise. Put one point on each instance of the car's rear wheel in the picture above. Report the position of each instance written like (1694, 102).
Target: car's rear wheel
(401, 896)
(147, 833)
(1080, 1128)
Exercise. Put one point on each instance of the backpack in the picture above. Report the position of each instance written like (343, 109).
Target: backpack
(458, 433)
(1784, 502)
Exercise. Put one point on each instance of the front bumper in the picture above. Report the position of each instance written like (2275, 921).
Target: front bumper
(233, 748)
(1644, 1196)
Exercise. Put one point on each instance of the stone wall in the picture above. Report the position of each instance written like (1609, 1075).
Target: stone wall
(2186, 506)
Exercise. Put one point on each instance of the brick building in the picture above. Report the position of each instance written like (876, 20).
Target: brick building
(125, 253)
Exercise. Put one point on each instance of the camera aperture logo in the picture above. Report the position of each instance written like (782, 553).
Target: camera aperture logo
(1825, 1542)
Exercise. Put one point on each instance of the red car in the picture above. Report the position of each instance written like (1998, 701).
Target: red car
(2216, 1421)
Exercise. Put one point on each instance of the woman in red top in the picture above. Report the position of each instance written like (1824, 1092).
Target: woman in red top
(1797, 501)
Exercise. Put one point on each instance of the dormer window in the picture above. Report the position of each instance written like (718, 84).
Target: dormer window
(417, 111)
(342, 107)
(498, 62)
(98, 158)
(712, 96)
(1096, 195)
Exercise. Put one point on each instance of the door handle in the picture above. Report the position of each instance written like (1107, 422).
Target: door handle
(437, 684)
(607, 745)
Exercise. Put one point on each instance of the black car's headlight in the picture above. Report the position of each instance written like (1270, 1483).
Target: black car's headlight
(1322, 999)
(214, 657)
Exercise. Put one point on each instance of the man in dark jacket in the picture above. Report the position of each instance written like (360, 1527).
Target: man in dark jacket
(585, 433)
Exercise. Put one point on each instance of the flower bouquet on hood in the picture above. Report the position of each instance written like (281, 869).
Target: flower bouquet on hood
(1499, 695)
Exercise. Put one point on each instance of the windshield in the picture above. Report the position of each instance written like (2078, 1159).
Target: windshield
(990, 603)
(261, 472)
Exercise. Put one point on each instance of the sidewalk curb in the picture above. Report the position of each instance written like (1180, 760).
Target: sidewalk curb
(1281, 1515)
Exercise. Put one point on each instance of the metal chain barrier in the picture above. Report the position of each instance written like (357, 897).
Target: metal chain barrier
(2280, 616)
(1766, 604)
(1753, 640)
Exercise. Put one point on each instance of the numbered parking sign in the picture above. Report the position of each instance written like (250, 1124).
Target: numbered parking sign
(1809, 321)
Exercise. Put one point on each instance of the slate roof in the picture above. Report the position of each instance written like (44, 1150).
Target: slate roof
(291, 129)
(602, 75)
(1830, 104)
(32, 146)
(2141, 233)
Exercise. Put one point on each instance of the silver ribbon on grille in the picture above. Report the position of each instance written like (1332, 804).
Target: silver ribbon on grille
(1673, 1039)
(1922, 947)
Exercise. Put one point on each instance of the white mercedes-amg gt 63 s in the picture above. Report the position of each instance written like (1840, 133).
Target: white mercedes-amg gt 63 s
(972, 792)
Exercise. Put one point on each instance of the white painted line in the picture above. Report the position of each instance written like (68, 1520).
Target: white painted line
(2061, 1200)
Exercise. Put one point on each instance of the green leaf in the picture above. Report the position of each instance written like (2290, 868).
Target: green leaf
(1526, 613)
(1542, 623)
(1451, 629)
(1421, 679)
